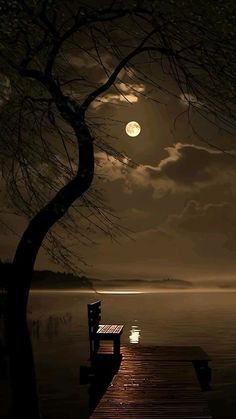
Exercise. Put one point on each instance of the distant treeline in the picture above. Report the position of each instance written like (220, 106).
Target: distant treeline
(47, 279)
(146, 283)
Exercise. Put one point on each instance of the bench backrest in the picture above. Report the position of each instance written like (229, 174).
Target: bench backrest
(94, 317)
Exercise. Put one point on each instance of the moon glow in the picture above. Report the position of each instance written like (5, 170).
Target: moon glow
(133, 129)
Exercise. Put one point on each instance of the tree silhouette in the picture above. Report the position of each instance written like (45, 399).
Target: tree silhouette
(49, 128)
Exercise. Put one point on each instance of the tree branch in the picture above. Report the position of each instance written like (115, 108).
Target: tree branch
(82, 19)
(139, 50)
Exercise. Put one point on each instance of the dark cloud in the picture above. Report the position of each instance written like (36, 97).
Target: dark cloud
(187, 167)
(197, 218)
(188, 164)
(214, 219)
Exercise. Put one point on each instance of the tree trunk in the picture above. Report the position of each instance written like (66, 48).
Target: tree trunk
(22, 371)
(24, 399)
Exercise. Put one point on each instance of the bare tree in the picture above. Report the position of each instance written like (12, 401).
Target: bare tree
(49, 127)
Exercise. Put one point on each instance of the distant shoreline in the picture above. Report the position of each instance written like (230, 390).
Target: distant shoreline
(56, 281)
(132, 292)
(59, 281)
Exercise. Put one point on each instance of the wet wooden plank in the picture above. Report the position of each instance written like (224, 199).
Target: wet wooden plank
(155, 382)
(171, 353)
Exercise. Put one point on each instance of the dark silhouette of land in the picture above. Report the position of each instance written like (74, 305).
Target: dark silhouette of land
(58, 280)
(46, 279)
(142, 283)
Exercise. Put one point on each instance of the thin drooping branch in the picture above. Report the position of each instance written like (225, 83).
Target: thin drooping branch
(111, 80)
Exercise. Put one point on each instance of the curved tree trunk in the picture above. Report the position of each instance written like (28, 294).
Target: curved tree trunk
(22, 371)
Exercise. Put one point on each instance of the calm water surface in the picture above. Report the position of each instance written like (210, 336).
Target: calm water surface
(60, 339)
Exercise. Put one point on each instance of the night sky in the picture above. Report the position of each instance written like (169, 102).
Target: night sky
(178, 200)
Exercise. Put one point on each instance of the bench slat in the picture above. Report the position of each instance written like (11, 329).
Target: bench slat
(110, 329)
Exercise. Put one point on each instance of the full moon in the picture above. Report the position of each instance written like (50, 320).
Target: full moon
(133, 129)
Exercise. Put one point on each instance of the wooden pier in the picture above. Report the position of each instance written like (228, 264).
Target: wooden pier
(157, 382)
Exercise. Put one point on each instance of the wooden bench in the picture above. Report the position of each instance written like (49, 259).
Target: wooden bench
(98, 332)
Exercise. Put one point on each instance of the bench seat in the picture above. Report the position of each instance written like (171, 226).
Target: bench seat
(98, 332)
(109, 329)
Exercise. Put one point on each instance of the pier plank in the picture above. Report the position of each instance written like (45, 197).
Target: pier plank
(155, 382)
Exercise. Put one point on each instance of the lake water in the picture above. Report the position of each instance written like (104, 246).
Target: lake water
(60, 340)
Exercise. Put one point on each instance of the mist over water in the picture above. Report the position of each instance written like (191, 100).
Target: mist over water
(59, 331)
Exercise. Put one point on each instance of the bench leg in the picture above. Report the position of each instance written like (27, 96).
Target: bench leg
(96, 345)
(117, 346)
(203, 373)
